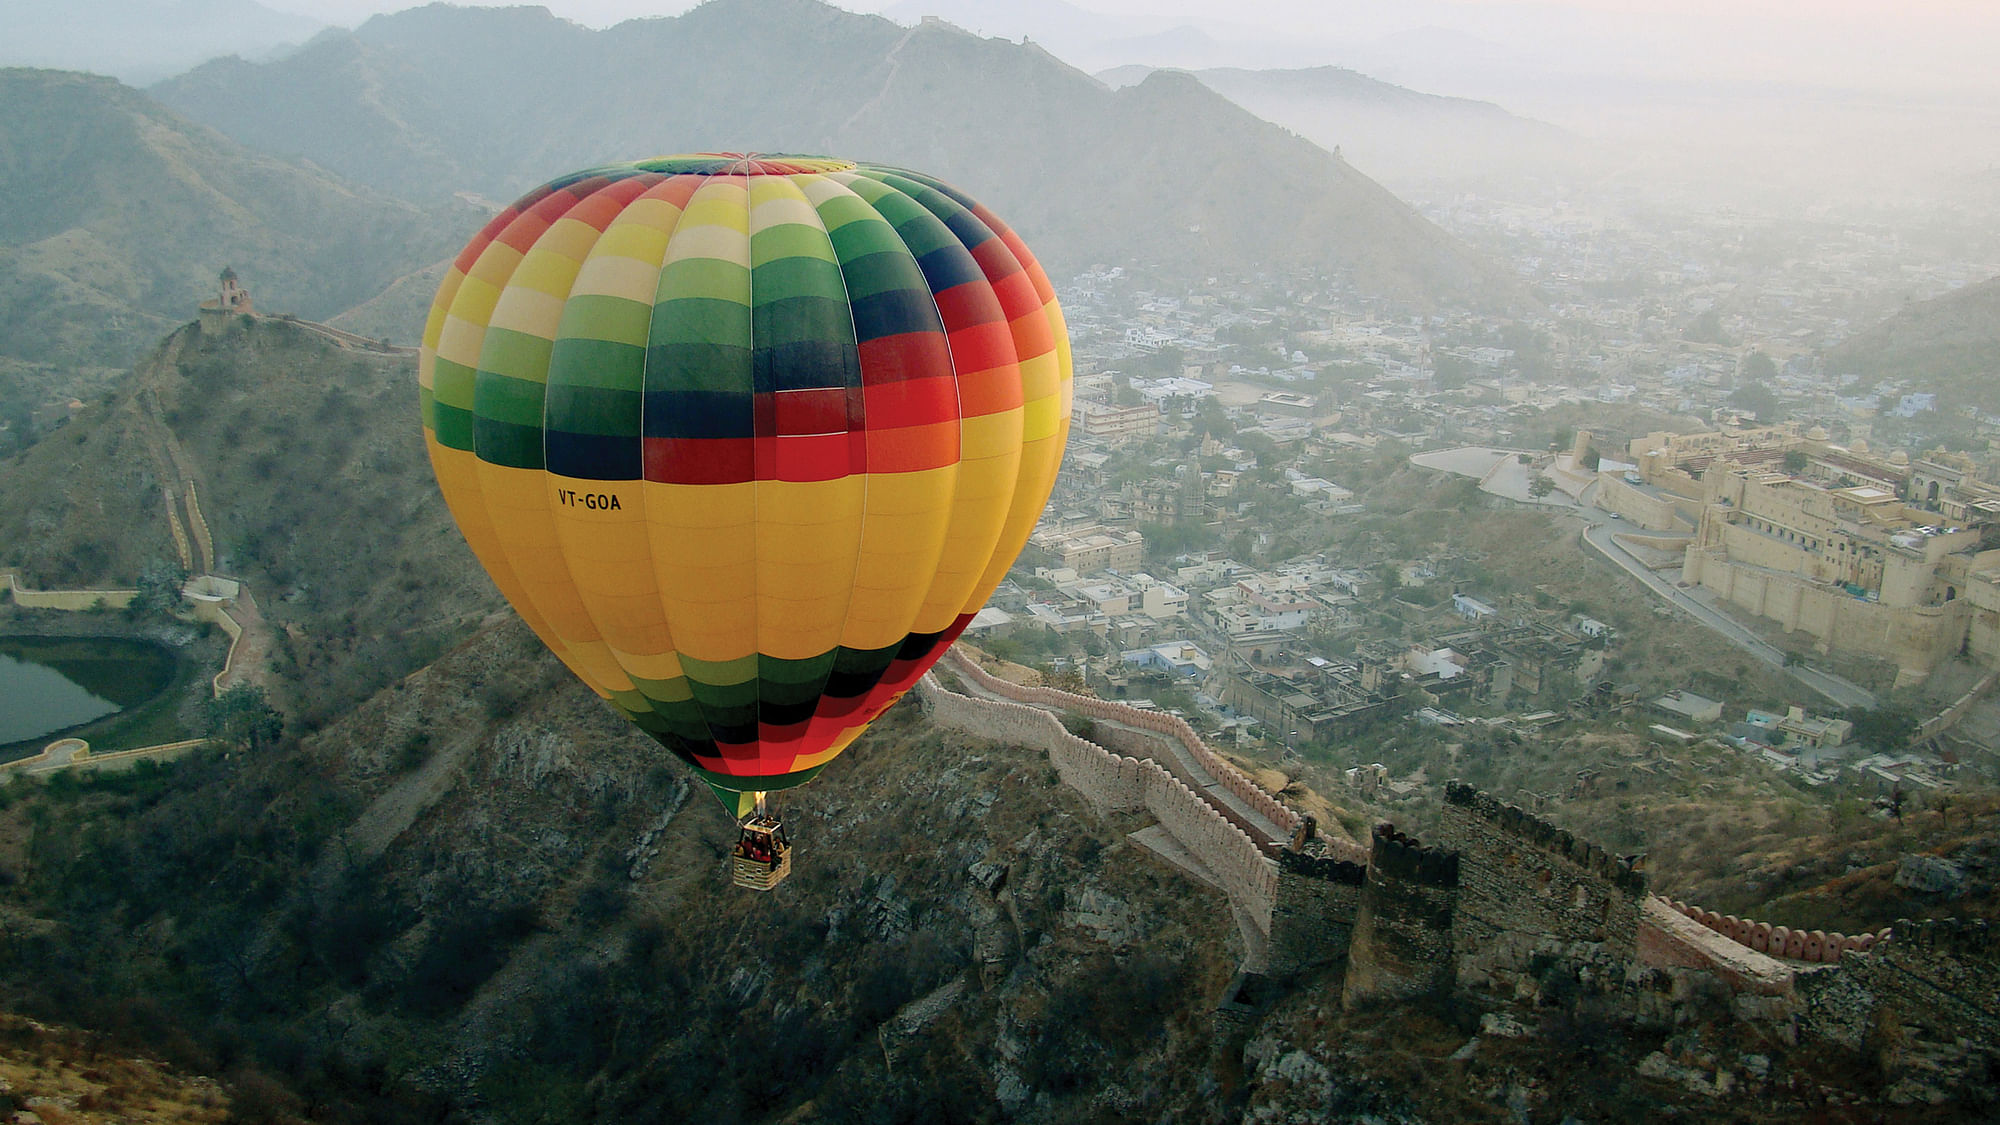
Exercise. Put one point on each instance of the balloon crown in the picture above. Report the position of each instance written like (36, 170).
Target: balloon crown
(741, 164)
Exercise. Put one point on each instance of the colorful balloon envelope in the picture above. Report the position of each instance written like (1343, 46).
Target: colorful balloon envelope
(746, 440)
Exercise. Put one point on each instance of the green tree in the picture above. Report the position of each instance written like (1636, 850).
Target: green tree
(1758, 399)
(242, 717)
(1757, 368)
(1263, 448)
(1465, 495)
(1211, 418)
(1796, 461)
(161, 589)
(1707, 329)
(1541, 486)
(1164, 542)
(1884, 728)
(1450, 372)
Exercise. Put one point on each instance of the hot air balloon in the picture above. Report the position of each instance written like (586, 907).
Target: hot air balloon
(747, 440)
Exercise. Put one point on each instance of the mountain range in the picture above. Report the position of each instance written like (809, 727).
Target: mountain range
(143, 40)
(120, 214)
(439, 100)
(1395, 133)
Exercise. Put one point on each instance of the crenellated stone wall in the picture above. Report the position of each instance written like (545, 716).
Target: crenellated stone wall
(1312, 918)
(1402, 942)
(1528, 888)
(1680, 947)
(1114, 782)
(1504, 894)
(1155, 722)
(1937, 979)
(1811, 946)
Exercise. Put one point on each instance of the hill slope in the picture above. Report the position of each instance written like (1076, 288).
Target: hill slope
(440, 99)
(311, 474)
(475, 893)
(1949, 345)
(120, 214)
(1398, 134)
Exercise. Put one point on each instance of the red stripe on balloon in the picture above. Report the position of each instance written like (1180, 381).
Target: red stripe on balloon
(699, 460)
(906, 355)
(914, 402)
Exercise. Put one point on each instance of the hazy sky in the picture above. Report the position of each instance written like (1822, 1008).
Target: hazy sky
(1934, 46)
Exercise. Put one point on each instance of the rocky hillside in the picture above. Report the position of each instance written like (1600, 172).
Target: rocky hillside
(483, 890)
(120, 214)
(1949, 345)
(61, 1074)
(1166, 173)
(462, 889)
(309, 468)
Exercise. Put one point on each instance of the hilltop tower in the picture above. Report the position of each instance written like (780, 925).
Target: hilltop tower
(1401, 944)
(230, 300)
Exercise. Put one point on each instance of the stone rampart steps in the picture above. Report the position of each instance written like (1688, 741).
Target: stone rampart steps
(1279, 820)
(174, 525)
(199, 526)
(343, 338)
(1111, 782)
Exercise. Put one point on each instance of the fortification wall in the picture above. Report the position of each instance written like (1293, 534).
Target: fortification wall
(1312, 915)
(1670, 941)
(1654, 513)
(126, 759)
(1109, 782)
(1951, 716)
(1944, 972)
(204, 540)
(1113, 782)
(76, 600)
(1940, 979)
(1525, 882)
(1815, 947)
(1916, 638)
(75, 754)
(181, 548)
(1146, 746)
(1402, 942)
(214, 613)
(1164, 725)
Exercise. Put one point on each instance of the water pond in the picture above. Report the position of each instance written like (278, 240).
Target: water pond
(50, 684)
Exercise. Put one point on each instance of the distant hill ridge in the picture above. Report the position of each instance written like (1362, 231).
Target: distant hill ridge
(120, 214)
(437, 99)
(142, 40)
(1394, 132)
(1949, 345)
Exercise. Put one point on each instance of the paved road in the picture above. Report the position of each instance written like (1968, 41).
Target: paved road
(1599, 536)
